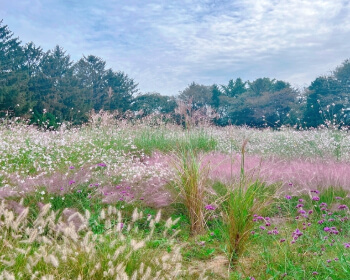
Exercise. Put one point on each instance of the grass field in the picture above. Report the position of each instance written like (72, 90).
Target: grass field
(141, 201)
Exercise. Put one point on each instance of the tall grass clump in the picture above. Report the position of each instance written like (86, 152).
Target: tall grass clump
(49, 247)
(190, 179)
(244, 199)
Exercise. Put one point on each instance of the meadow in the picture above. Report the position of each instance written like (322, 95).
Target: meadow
(116, 199)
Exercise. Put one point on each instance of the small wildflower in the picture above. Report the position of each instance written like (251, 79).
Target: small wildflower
(288, 197)
(338, 197)
(71, 167)
(315, 273)
(282, 240)
(342, 207)
(71, 182)
(326, 229)
(315, 198)
(210, 207)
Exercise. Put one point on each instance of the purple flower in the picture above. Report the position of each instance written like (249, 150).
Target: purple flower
(78, 191)
(71, 167)
(342, 207)
(326, 229)
(71, 182)
(262, 228)
(315, 273)
(210, 207)
(320, 222)
(301, 200)
(282, 240)
(299, 205)
(347, 245)
(141, 198)
(315, 191)
(315, 198)
(323, 204)
(338, 197)
(101, 164)
(61, 189)
(288, 197)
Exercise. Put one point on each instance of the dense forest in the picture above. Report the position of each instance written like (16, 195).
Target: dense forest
(47, 87)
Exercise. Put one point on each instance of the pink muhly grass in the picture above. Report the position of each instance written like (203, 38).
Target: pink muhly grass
(296, 174)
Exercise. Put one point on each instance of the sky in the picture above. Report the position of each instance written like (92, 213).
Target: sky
(165, 45)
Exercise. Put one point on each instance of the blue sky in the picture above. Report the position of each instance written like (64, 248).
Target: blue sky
(166, 45)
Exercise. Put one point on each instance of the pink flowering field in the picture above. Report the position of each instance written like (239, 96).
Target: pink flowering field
(122, 200)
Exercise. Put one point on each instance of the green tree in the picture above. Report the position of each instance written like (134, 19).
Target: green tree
(121, 89)
(215, 98)
(234, 88)
(13, 79)
(90, 72)
(199, 95)
(52, 84)
(153, 102)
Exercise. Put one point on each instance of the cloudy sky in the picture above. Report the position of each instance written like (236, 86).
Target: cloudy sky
(165, 45)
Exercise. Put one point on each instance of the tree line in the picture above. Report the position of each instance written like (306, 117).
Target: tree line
(47, 86)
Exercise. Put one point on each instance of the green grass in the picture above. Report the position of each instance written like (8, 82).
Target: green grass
(151, 140)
